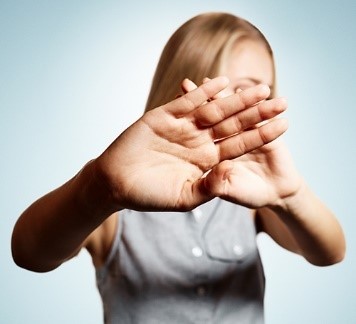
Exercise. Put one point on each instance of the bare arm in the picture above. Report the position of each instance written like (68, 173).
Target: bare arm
(158, 163)
(304, 225)
(55, 227)
(266, 180)
(287, 210)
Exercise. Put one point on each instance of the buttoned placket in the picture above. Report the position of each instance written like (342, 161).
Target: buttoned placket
(201, 289)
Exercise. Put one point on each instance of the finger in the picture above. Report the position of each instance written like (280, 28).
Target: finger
(222, 108)
(220, 183)
(249, 140)
(222, 94)
(193, 99)
(216, 182)
(194, 194)
(188, 85)
(249, 118)
(205, 80)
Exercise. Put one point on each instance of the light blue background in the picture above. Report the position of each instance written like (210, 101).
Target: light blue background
(74, 74)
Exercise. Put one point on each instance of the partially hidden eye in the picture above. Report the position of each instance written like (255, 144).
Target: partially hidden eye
(238, 89)
(242, 87)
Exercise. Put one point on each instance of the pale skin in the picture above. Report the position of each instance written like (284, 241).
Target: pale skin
(267, 181)
(159, 163)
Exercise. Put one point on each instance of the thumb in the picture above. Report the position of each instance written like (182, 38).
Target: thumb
(216, 181)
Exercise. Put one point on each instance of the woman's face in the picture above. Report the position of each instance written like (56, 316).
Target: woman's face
(249, 64)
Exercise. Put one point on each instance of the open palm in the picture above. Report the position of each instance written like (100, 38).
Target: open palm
(257, 179)
(158, 163)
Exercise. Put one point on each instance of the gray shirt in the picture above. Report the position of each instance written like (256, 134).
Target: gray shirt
(195, 267)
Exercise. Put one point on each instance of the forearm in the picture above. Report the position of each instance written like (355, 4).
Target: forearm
(54, 227)
(314, 229)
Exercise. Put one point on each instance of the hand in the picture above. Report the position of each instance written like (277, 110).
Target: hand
(160, 161)
(262, 177)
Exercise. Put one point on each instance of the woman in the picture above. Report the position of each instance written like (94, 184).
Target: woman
(203, 265)
(199, 263)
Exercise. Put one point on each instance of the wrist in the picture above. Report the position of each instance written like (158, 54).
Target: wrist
(293, 200)
(96, 195)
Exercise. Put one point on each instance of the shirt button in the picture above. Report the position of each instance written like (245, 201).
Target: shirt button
(238, 249)
(201, 291)
(197, 251)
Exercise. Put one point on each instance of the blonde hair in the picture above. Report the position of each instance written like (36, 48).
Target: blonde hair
(197, 50)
